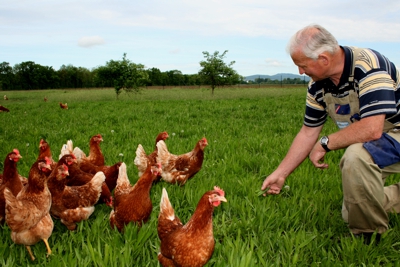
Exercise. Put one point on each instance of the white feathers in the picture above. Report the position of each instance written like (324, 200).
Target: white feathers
(166, 207)
(69, 148)
(141, 159)
(66, 149)
(98, 180)
(163, 152)
(123, 184)
(79, 154)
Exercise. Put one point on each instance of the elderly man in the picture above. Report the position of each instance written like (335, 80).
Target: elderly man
(358, 89)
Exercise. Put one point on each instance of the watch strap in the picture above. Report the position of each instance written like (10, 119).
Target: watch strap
(325, 147)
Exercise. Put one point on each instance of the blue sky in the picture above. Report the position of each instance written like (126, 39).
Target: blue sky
(171, 35)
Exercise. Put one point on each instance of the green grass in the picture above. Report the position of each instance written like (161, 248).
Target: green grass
(249, 132)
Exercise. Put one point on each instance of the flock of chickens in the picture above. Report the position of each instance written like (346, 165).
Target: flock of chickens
(4, 109)
(69, 189)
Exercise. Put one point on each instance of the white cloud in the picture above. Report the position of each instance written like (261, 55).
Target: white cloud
(273, 62)
(175, 51)
(89, 41)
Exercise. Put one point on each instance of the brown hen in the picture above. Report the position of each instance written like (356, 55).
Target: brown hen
(63, 106)
(133, 203)
(191, 244)
(142, 160)
(4, 109)
(78, 177)
(73, 204)
(28, 213)
(10, 180)
(95, 156)
(45, 151)
(179, 168)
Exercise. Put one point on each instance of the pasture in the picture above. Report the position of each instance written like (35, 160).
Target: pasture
(249, 132)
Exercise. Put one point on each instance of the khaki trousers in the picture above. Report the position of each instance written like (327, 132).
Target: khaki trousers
(366, 201)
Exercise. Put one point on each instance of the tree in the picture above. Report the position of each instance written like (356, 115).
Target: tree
(156, 77)
(125, 75)
(30, 75)
(175, 77)
(216, 72)
(6, 76)
(103, 77)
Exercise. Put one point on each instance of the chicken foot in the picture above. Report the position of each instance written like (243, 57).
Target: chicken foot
(30, 252)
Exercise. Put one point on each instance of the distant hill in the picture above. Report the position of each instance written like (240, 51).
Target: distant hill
(278, 76)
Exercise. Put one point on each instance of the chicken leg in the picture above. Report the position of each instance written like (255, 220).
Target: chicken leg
(30, 252)
(48, 247)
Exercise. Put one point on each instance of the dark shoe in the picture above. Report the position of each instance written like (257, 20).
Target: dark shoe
(368, 238)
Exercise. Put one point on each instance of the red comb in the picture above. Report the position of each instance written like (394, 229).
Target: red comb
(219, 190)
(204, 140)
(48, 161)
(16, 151)
(65, 167)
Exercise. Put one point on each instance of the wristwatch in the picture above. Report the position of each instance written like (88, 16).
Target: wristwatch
(324, 143)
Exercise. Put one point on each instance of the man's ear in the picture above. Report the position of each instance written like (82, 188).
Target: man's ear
(325, 59)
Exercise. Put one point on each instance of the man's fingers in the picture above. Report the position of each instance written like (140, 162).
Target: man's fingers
(271, 192)
(264, 186)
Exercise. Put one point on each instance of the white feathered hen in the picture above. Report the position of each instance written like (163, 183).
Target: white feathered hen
(142, 160)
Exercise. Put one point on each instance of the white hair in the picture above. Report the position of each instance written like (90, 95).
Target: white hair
(312, 40)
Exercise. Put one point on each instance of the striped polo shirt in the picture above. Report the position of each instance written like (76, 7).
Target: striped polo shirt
(376, 81)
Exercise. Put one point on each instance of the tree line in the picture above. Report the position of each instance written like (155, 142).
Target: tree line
(122, 75)
(30, 76)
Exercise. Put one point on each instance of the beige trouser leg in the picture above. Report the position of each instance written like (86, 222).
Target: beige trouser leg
(365, 199)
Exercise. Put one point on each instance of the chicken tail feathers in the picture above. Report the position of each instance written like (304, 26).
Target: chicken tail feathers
(167, 221)
(122, 176)
(11, 200)
(166, 209)
(162, 152)
(16, 215)
(123, 184)
(70, 146)
(79, 154)
(66, 149)
(141, 159)
(97, 180)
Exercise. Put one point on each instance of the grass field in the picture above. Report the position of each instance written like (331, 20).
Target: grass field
(249, 132)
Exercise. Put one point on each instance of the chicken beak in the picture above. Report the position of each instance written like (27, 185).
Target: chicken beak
(48, 166)
(216, 200)
(221, 198)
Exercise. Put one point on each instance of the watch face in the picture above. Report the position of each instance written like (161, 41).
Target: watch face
(324, 140)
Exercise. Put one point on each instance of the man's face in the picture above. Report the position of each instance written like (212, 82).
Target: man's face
(314, 68)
